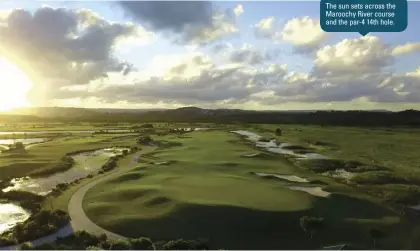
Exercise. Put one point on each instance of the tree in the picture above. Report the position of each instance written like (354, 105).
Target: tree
(120, 245)
(93, 248)
(376, 234)
(278, 132)
(26, 246)
(142, 243)
(182, 244)
(311, 225)
(103, 237)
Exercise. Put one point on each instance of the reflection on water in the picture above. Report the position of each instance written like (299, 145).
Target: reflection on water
(73, 131)
(10, 215)
(24, 141)
(274, 147)
(85, 163)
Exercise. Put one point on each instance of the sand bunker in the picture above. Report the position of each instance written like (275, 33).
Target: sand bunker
(274, 147)
(250, 135)
(251, 155)
(316, 191)
(161, 163)
(293, 178)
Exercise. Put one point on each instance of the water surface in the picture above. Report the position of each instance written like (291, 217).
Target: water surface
(24, 141)
(11, 214)
(85, 164)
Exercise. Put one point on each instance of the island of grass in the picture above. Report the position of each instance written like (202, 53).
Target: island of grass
(208, 191)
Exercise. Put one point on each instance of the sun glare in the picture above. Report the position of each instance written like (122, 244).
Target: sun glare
(14, 86)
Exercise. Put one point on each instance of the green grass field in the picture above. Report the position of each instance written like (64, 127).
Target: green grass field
(394, 148)
(207, 191)
(47, 155)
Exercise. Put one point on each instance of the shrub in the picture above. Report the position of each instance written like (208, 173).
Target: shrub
(93, 248)
(103, 237)
(311, 224)
(38, 225)
(6, 241)
(278, 132)
(395, 193)
(45, 246)
(182, 244)
(383, 177)
(120, 245)
(26, 246)
(142, 243)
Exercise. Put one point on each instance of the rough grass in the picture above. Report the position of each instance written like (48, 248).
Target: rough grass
(385, 156)
(43, 158)
(208, 192)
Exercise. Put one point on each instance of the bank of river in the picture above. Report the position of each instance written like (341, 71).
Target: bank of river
(85, 163)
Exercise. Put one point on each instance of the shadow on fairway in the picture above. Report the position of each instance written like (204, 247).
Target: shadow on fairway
(232, 227)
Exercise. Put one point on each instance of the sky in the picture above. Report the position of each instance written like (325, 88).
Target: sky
(242, 55)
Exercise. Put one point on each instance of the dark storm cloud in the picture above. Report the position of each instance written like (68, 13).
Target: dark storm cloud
(196, 22)
(170, 15)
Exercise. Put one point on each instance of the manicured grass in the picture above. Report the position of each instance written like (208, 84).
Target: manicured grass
(208, 191)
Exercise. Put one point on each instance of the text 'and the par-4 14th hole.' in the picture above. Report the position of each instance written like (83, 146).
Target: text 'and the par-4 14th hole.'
(363, 16)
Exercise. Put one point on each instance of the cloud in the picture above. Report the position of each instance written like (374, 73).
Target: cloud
(223, 25)
(194, 78)
(250, 55)
(406, 49)
(239, 10)
(268, 28)
(352, 70)
(65, 47)
(304, 33)
(359, 56)
(167, 15)
(194, 22)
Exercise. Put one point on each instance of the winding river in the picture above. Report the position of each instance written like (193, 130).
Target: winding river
(85, 163)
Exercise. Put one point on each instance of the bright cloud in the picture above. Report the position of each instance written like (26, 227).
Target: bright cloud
(175, 53)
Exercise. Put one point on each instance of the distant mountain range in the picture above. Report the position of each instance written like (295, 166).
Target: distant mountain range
(195, 114)
(53, 112)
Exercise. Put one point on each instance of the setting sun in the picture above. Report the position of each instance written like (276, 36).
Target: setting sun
(14, 86)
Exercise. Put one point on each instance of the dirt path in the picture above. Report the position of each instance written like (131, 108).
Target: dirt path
(79, 220)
